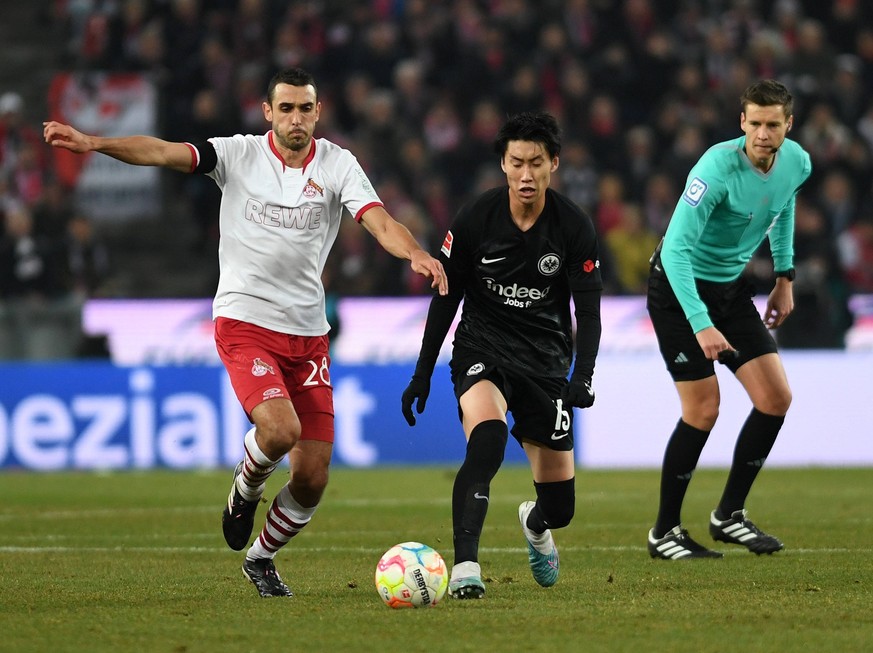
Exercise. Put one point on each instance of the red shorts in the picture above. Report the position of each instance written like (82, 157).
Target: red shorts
(264, 364)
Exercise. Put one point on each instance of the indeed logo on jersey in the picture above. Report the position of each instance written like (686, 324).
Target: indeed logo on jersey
(516, 295)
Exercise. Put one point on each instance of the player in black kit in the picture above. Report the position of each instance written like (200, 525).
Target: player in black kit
(515, 255)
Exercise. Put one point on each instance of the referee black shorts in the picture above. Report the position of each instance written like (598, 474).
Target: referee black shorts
(732, 312)
(534, 402)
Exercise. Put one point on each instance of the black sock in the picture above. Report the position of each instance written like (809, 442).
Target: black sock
(753, 446)
(680, 460)
(555, 507)
(470, 494)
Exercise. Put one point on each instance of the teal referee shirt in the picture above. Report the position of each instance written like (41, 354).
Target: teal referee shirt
(729, 206)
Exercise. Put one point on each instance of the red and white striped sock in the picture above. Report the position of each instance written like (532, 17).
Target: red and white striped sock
(256, 469)
(284, 520)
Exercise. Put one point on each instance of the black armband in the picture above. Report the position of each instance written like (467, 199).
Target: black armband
(205, 158)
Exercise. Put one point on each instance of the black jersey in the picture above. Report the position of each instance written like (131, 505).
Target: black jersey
(516, 284)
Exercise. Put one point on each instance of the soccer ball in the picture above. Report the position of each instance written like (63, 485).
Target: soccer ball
(411, 575)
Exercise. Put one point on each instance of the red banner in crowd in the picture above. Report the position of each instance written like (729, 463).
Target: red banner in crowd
(106, 105)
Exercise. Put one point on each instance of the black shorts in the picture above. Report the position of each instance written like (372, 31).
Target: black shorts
(732, 312)
(535, 404)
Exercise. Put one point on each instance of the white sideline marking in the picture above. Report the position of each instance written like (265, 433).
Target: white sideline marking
(373, 550)
(354, 503)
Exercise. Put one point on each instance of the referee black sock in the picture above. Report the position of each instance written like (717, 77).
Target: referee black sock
(470, 495)
(754, 443)
(680, 460)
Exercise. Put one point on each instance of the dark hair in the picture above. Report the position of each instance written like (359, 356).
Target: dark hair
(539, 127)
(768, 93)
(292, 76)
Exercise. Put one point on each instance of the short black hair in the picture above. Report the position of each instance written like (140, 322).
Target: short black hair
(768, 93)
(537, 127)
(292, 76)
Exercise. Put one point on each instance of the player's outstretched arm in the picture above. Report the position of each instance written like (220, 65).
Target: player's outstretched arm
(397, 240)
(136, 150)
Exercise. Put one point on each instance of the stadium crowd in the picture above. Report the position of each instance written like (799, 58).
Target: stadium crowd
(417, 89)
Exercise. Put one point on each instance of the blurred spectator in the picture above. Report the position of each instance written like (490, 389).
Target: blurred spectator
(575, 84)
(582, 22)
(824, 136)
(659, 201)
(836, 196)
(17, 135)
(379, 138)
(865, 125)
(846, 18)
(443, 132)
(718, 58)
(864, 50)
(578, 175)
(685, 151)
(28, 174)
(856, 254)
(811, 64)
(821, 313)
(846, 93)
(630, 245)
(134, 35)
(413, 96)
(208, 119)
(605, 131)
(378, 53)
(39, 318)
(523, 92)
(610, 203)
(53, 210)
(552, 56)
(250, 98)
(639, 160)
(87, 258)
(30, 263)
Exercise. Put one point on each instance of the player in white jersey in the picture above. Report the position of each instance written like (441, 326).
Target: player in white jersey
(283, 195)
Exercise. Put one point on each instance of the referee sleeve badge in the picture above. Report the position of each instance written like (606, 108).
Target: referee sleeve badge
(695, 191)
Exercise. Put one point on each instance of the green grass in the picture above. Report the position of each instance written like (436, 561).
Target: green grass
(136, 562)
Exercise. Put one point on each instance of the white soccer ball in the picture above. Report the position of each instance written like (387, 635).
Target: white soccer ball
(411, 575)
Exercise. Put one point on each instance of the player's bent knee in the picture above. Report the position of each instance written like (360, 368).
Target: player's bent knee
(783, 403)
(559, 516)
(280, 434)
(557, 501)
(487, 445)
(308, 484)
(776, 403)
(701, 417)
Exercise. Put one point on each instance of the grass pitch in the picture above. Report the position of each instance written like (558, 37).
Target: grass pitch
(136, 562)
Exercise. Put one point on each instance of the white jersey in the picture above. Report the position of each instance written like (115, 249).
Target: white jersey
(277, 227)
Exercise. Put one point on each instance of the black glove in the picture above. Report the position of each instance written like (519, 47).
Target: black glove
(578, 392)
(418, 388)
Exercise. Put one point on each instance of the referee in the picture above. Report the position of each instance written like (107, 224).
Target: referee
(739, 193)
